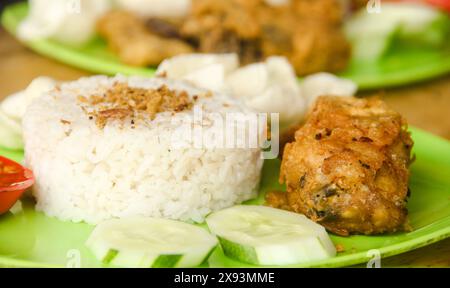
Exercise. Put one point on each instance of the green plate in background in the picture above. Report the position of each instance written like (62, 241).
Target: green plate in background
(30, 239)
(399, 67)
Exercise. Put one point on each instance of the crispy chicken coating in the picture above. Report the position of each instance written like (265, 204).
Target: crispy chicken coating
(348, 167)
(307, 32)
(134, 42)
(357, 4)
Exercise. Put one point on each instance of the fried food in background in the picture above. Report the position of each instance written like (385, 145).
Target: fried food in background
(135, 43)
(307, 32)
(225, 26)
(348, 167)
(356, 4)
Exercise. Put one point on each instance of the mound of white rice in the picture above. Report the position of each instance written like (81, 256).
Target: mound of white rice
(85, 173)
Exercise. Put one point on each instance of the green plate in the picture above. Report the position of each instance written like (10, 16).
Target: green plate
(399, 67)
(30, 239)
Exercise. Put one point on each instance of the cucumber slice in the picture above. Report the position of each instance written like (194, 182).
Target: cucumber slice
(267, 236)
(10, 135)
(150, 243)
(14, 106)
(10, 123)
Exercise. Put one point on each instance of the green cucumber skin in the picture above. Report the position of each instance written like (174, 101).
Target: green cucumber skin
(208, 255)
(166, 261)
(239, 252)
(163, 261)
(110, 256)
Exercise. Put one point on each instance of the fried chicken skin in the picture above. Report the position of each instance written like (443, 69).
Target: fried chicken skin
(357, 4)
(307, 32)
(348, 167)
(134, 42)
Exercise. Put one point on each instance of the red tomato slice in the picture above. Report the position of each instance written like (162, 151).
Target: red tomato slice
(441, 4)
(14, 181)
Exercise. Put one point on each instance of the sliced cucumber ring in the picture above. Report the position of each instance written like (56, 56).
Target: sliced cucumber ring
(267, 236)
(152, 243)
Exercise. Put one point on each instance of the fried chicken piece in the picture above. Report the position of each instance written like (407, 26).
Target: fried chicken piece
(348, 167)
(225, 27)
(312, 47)
(329, 12)
(307, 32)
(130, 37)
(357, 4)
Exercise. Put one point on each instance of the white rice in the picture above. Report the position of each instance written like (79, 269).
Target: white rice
(84, 173)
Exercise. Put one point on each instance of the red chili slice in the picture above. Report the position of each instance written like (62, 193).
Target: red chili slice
(14, 181)
(441, 4)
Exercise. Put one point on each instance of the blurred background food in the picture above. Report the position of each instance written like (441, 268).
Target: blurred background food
(144, 33)
(307, 32)
(252, 49)
(338, 36)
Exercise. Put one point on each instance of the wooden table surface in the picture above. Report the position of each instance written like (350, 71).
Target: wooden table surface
(425, 105)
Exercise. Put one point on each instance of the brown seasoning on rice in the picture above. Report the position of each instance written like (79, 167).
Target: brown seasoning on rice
(122, 102)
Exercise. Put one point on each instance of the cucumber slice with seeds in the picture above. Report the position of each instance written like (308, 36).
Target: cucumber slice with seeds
(266, 236)
(150, 243)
